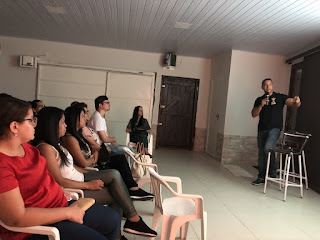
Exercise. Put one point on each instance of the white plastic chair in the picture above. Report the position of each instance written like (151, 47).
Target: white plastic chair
(177, 211)
(92, 169)
(150, 142)
(75, 193)
(51, 232)
(145, 179)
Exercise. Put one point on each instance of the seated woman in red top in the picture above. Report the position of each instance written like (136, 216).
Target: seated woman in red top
(29, 195)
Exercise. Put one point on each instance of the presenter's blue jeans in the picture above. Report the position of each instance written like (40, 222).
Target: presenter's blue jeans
(267, 139)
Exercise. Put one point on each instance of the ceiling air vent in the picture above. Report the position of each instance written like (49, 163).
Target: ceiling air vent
(182, 25)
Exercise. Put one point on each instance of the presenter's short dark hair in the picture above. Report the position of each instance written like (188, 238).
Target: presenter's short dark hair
(267, 79)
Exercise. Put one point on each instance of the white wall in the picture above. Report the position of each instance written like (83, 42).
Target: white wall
(21, 82)
(218, 99)
(247, 71)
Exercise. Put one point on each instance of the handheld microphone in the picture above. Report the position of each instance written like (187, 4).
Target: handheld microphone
(267, 98)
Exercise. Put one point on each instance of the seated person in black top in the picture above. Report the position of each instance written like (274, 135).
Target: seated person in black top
(138, 127)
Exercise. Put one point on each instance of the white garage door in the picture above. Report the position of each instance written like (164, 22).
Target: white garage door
(59, 86)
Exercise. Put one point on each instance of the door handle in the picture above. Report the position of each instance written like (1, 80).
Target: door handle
(162, 106)
(160, 124)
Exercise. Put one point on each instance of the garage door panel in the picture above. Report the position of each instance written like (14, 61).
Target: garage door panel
(85, 76)
(138, 86)
(118, 130)
(76, 91)
(121, 109)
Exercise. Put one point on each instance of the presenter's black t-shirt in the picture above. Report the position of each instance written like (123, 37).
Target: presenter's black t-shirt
(271, 116)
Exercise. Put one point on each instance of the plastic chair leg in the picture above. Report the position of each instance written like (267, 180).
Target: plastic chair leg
(175, 224)
(156, 218)
(184, 230)
(165, 227)
(204, 226)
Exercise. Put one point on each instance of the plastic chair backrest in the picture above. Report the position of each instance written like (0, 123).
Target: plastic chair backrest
(157, 181)
(132, 155)
(296, 141)
(51, 232)
(150, 142)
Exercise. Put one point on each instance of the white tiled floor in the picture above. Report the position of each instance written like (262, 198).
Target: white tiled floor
(236, 209)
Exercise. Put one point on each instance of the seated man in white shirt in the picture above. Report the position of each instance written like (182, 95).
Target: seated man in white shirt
(98, 123)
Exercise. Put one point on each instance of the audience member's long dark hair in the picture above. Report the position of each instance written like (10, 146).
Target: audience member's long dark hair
(79, 104)
(47, 130)
(135, 117)
(34, 103)
(72, 116)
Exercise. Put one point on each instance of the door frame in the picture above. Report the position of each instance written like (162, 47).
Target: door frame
(194, 112)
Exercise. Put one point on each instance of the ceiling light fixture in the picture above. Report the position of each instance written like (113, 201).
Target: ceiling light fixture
(55, 10)
(182, 25)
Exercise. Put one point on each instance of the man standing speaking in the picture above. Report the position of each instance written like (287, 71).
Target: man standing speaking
(269, 108)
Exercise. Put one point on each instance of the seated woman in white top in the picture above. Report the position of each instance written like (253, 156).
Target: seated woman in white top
(109, 190)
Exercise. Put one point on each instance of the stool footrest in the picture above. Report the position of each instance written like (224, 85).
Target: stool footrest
(283, 181)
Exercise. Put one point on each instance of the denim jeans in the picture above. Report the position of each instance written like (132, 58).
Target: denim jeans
(267, 139)
(99, 223)
(117, 150)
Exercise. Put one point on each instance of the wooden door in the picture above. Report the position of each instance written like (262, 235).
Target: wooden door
(177, 112)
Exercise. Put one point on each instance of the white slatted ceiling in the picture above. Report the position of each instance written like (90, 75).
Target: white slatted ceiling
(271, 26)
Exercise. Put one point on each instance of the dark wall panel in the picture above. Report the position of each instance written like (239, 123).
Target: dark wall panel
(308, 118)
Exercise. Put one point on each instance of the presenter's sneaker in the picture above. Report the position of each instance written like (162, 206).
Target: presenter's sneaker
(139, 228)
(140, 195)
(257, 182)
